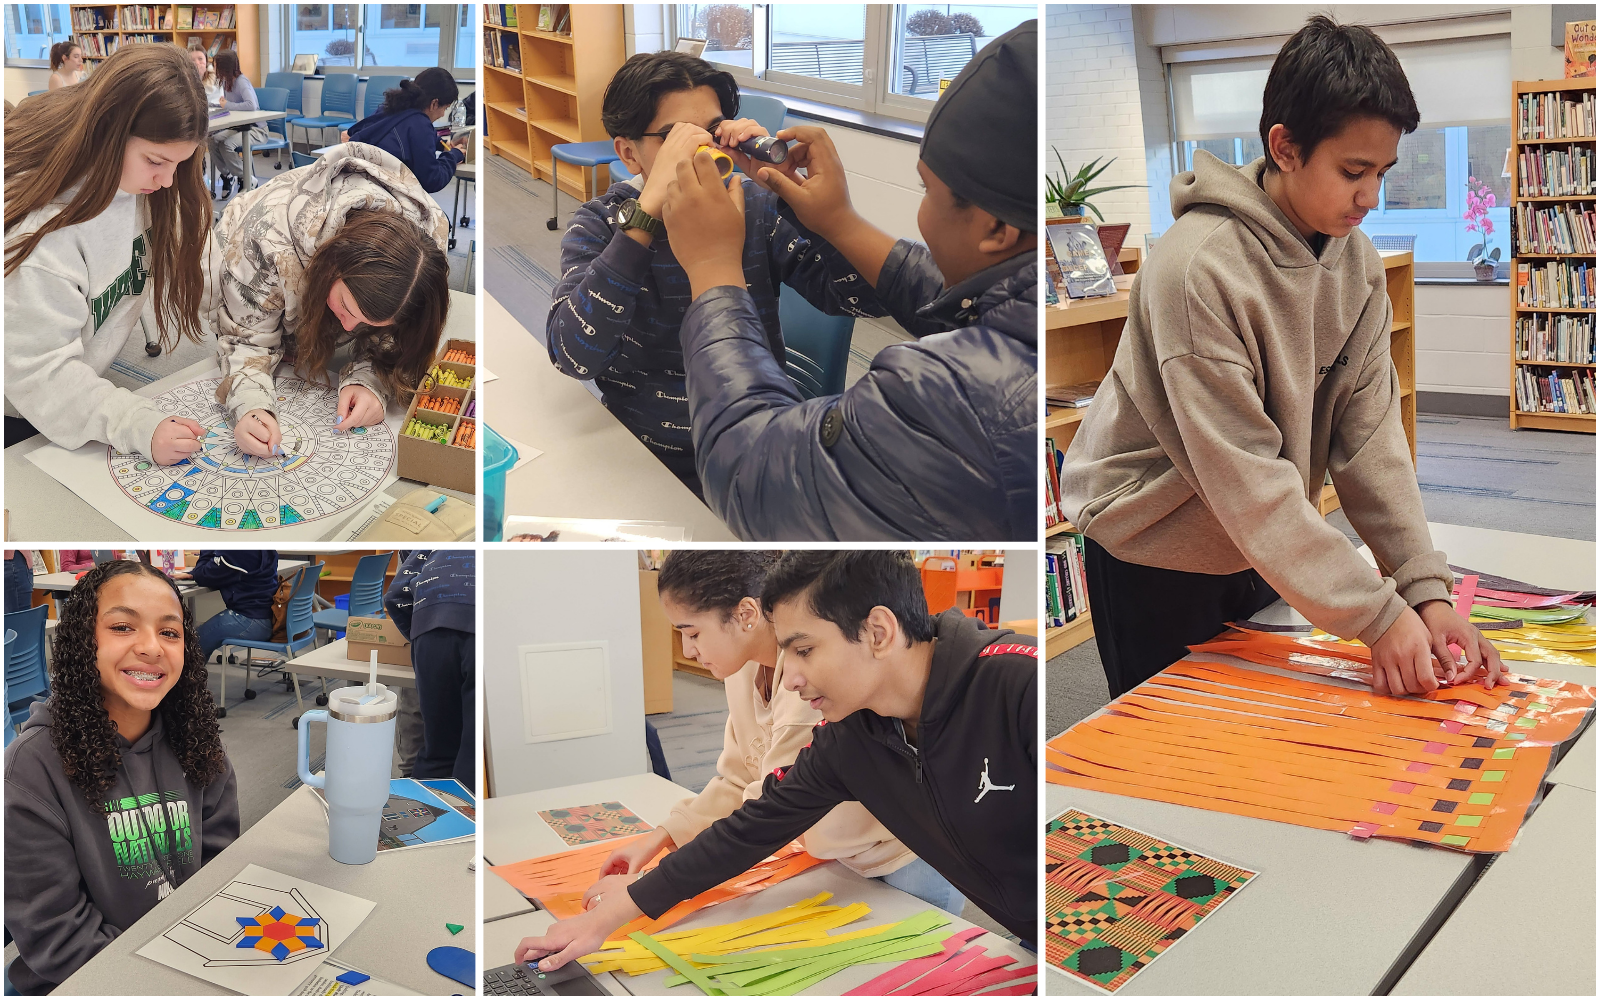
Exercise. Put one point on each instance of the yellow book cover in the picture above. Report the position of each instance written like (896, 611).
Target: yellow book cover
(1580, 49)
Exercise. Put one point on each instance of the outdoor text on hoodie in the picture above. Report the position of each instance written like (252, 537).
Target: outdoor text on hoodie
(1250, 366)
(77, 876)
(70, 308)
(962, 798)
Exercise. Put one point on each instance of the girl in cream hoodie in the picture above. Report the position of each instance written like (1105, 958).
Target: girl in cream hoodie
(713, 599)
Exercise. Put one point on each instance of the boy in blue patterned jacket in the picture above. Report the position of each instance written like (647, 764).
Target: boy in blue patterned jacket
(622, 295)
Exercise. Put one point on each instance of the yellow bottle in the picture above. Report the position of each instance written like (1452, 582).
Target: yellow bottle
(723, 160)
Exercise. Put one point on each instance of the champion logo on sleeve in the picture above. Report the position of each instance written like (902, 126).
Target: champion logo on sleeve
(1002, 648)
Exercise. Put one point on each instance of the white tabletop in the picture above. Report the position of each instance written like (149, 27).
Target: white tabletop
(417, 892)
(501, 937)
(513, 831)
(1540, 560)
(43, 510)
(63, 581)
(237, 119)
(1548, 875)
(333, 660)
(592, 466)
(1577, 767)
(500, 900)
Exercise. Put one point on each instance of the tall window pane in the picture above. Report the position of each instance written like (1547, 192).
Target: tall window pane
(326, 30)
(466, 44)
(400, 34)
(31, 28)
(932, 42)
(728, 28)
(824, 41)
(1418, 179)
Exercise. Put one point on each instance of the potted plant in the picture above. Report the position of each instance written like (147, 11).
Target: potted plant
(1480, 199)
(1070, 192)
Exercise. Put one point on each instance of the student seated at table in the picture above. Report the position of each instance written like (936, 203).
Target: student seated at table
(75, 560)
(238, 94)
(713, 599)
(433, 602)
(617, 309)
(404, 127)
(247, 579)
(939, 439)
(929, 723)
(346, 250)
(66, 64)
(205, 69)
(117, 788)
(106, 221)
(1256, 360)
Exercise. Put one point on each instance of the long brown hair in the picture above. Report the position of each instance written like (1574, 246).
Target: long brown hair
(80, 135)
(227, 63)
(394, 271)
(60, 51)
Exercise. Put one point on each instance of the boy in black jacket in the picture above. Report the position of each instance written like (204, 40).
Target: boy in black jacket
(929, 724)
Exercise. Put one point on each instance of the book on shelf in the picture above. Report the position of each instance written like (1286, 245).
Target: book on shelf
(1556, 284)
(508, 14)
(185, 18)
(491, 51)
(1579, 49)
(510, 52)
(1053, 514)
(1554, 115)
(564, 22)
(1563, 337)
(1560, 390)
(1076, 395)
(1084, 269)
(1066, 595)
(546, 17)
(1554, 229)
(1555, 173)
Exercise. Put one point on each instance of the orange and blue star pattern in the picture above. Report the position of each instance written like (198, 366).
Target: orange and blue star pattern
(280, 934)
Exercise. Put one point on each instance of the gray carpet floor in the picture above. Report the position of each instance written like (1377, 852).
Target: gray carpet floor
(1473, 471)
(691, 739)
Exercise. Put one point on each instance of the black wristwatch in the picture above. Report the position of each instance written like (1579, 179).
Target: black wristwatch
(631, 216)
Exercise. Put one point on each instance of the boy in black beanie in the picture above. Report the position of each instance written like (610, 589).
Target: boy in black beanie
(939, 440)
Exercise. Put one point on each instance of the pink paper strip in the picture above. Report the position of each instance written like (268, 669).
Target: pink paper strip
(1451, 726)
(969, 987)
(1025, 988)
(1464, 594)
(1387, 808)
(962, 982)
(1433, 748)
(1403, 787)
(1362, 831)
(905, 972)
(952, 971)
(1419, 767)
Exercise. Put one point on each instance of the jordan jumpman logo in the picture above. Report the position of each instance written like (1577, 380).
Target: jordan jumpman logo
(985, 786)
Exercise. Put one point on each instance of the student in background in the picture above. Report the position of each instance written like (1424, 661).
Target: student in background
(129, 727)
(19, 580)
(940, 438)
(616, 311)
(433, 602)
(404, 126)
(75, 560)
(238, 94)
(713, 599)
(208, 75)
(66, 64)
(247, 579)
(348, 249)
(932, 725)
(1255, 360)
(106, 221)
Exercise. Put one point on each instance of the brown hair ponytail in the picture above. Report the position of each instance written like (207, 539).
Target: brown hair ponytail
(149, 92)
(60, 51)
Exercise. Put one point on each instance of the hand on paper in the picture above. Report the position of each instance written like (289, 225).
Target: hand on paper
(175, 439)
(678, 147)
(358, 407)
(1448, 629)
(568, 939)
(705, 223)
(257, 433)
(1402, 659)
(821, 200)
(596, 894)
(629, 858)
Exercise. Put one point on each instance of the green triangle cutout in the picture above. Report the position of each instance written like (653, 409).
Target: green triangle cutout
(176, 511)
(288, 515)
(213, 518)
(250, 520)
(453, 928)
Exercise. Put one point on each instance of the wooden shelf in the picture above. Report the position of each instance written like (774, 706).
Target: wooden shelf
(506, 72)
(509, 109)
(1062, 416)
(1546, 256)
(1329, 500)
(1555, 197)
(564, 128)
(1558, 364)
(1059, 640)
(1395, 328)
(1582, 422)
(1546, 142)
(1549, 309)
(548, 36)
(565, 84)
(1059, 528)
(514, 150)
(691, 667)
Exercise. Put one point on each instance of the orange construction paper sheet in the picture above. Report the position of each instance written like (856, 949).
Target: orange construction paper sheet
(557, 882)
(1460, 768)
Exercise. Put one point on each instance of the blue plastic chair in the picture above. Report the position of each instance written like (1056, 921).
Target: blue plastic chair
(376, 85)
(301, 630)
(294, 83)
(338, 104)
(586, 155)
(619, 171)
(273, 99)
(817, 345)
(27, 679)
(366, 594)
(300, 159)
(36, 93)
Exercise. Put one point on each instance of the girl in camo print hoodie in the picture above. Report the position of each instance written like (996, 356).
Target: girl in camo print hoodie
(347, 250)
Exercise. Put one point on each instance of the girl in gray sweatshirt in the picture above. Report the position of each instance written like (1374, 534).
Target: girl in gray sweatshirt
(118, 788)
(106, 220)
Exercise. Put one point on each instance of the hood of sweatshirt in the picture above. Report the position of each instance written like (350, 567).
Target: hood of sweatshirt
(1237, 190)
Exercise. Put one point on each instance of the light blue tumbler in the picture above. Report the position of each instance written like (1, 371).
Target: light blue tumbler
(355, 777)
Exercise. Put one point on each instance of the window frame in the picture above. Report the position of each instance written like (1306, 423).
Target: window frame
(449, 29)
(21, 63)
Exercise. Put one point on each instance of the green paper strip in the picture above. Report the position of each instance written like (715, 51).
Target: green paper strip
(1480, 798)
(1527, 723)
(1455, 841)
(1468, 820)
(1494, 776)
(1504, 753)
(683, 968)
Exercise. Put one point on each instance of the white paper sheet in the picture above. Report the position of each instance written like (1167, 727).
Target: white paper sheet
(211, 943)
(332, 476)
(325, 983)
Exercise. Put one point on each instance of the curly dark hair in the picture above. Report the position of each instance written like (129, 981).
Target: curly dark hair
(80, 726)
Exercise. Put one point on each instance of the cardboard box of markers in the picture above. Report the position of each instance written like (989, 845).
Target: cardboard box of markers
(438, 440)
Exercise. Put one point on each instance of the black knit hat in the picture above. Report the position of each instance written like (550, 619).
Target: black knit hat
(982, 138)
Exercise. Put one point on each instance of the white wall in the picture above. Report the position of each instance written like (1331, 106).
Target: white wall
(20, 81)
(1020, 587)
(643, 27)
(1176, 24)
(1532, 55)
(1464, 339)
(541, 596)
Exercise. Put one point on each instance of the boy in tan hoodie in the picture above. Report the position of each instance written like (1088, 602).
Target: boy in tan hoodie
(1254, 360)
(713, 599)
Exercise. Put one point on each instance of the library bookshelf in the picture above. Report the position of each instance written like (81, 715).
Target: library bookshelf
(123, 24)
(1570, 90)
(553, 94)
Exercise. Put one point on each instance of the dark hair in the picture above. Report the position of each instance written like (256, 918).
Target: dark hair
(844, 587)
(714, 579)
(81, 728)
(432, 84)
(227, 64)
(395, 271)
(1327, 74)
(632, 95)
(60, 51)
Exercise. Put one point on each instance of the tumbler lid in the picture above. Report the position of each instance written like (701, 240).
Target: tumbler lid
(355, 704)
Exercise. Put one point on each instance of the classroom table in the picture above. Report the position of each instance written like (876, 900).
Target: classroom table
(188, 590)
(45, 511)
(417, 892)
(1545, 883)
(1330, 914)
(513, 831)
(592, 466)
(243, 120)
(332, 660)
